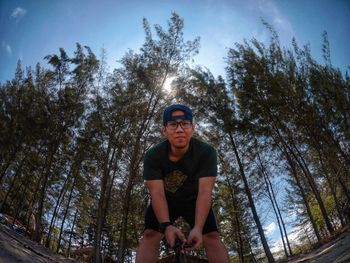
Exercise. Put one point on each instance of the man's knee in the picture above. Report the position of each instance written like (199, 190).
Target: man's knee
(215, 248)
(152, 236)
(211, 238)
(148, 249)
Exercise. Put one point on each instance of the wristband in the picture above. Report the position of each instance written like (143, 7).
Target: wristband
(162, 226)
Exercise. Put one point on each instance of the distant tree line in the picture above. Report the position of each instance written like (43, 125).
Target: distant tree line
(73, 135)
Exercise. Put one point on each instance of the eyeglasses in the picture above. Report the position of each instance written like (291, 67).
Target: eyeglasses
(172, 125)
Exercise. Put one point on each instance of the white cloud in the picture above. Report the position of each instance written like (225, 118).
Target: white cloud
(7, 48)
(293, 237)
(270, 228)
(273, 16)
(18, 13)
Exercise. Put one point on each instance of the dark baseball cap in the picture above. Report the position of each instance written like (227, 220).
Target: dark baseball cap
(168, 110)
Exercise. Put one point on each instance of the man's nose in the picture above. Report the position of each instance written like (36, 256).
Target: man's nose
(179, 126)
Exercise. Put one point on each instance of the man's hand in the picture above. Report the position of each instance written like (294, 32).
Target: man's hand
(195, 239)
(171, 233)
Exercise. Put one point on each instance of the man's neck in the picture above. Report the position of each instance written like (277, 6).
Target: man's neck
(177, 153)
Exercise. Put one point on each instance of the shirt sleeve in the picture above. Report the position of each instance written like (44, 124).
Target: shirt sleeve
(208, 163)
(151, 167)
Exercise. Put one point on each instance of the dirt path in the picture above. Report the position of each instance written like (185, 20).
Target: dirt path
(335, 251)
(17, 248)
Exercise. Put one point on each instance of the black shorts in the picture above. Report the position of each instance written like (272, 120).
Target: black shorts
(187, 211)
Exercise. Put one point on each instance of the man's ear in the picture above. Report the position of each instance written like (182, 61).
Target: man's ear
(163, 130)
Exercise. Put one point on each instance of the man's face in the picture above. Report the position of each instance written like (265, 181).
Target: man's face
(179, 132)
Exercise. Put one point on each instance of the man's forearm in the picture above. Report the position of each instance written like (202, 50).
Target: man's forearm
(159, 202)
(203, 205)
(160, 207)
(203, 202)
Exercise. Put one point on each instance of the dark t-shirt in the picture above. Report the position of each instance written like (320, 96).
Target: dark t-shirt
(181, 177)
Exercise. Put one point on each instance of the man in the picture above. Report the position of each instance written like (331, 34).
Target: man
(180, 174)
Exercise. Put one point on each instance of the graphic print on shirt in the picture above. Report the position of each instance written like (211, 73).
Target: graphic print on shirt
(174, 180)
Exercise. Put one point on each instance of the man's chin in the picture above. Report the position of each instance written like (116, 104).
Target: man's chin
(180, 145)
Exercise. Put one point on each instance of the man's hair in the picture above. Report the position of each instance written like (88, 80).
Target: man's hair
(168, 110)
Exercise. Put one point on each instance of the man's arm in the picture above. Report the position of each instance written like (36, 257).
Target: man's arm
(159, 203)
(203, 204)
(160, 208)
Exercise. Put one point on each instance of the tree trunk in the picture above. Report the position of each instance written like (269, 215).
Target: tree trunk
(134, 164)
(238, 235)
(102, 203)
(100, 220)
(9, 161)
(44, 178)
(16, 176)
(276, 207)
(341, 182)
(280, 216)
(333, 191)
(301, 189)
(300, 160)
(337, 145)
(54, 214)
(126, 208)
(71, 233)
(251, 203)
(65, 214)
(273, 202)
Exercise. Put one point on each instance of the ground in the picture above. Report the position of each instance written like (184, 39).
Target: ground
(15, 248)
(336, 250)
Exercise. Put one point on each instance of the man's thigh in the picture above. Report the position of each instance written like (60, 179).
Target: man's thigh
(210, 222)
(151, 221)
(187, 211)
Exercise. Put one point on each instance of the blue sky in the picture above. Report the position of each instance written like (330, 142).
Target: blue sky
(32, 29)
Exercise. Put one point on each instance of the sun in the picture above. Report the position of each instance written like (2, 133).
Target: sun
(167, 84)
